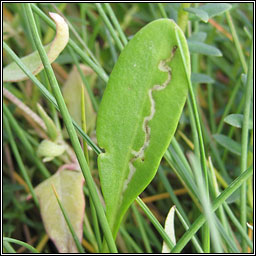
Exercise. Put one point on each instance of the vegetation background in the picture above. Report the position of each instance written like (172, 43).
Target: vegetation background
(219, 38)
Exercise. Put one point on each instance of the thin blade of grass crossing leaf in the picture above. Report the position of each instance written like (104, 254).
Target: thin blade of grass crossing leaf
(71, 229)
(169, 229)
(12, 72)
(69, 186)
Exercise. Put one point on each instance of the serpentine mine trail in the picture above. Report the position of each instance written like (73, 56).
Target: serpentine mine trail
(163, 66)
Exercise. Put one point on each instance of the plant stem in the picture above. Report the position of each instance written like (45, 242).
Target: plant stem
(19, 133)
(162, 10)
(141, 228)
(215, 205)
(206, 236)
(48, 95)
(19, 160)
(109, 26)
(71, 132)
(183, 16)
(244, 142)
(116, 23)
(71, 229)
(74, 46)
(15, 241)
(236, 41)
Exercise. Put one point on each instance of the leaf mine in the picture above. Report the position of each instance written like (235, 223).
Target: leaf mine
(163, 66)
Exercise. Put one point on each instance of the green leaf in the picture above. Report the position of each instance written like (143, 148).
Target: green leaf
(139, 113)
(69, 186)
(12, 72)
(51, 128)
(228, 143)
(49, 150)
(201, 78)
(199, 13)
(236, 120)
(198, 37)
(202, 48)
(215, 9)
(170, 230)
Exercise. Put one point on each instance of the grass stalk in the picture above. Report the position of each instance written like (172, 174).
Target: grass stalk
(116, 23)
(20, 134)
(98, 69)
(48, 95)
(15, 241)
(8, 247)
(19, 160)
(71, 229)
(236, 41)
(142, 229)
(162, 10)
(72, 133)
(244, 143)
(109, 26)
(236, 184)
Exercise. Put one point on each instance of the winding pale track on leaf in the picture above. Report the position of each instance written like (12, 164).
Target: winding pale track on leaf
(163, 66)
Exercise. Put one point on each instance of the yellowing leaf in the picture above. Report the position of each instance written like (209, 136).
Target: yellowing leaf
(69, 186)
(13, 73)
(72, 95)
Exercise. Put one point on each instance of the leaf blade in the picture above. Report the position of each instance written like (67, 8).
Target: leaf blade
(126, 107)
(12, 72)
(68, 185)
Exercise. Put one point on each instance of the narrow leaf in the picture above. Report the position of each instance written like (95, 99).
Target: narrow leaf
(139, 113)
(228, 143)
(236, 120)
(198, 36)
(215, 9)
(69, 186)
(201, 78)
(51, 128)
(169, 229)
(13, 73)
(202, 48)
(199, 13)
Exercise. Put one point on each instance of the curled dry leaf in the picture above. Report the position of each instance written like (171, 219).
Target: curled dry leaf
(12, 72)
(69, 187)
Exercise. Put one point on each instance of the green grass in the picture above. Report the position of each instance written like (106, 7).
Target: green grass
(200, 164)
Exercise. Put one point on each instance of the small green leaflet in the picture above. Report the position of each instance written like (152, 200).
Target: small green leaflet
(139, 113)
